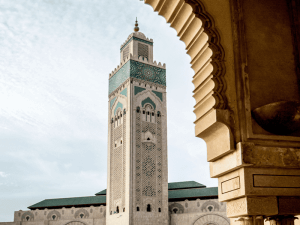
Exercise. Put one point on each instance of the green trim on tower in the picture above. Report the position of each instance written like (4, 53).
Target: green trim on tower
(148, 100)
(119, 77)
(137, 70)
(147, 72)
(158, 94)
(119, 105)
(112, 101)
(124, 92)
(138, 89)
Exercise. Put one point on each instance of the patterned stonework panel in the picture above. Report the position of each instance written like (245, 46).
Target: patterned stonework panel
(124, 161)
(148, 163)
(138, 169)
(137, 70)
(147, 72)
(159, 162)
(118, 166)
(143, 50)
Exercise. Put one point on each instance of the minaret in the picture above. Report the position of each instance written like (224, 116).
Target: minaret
(137, 184)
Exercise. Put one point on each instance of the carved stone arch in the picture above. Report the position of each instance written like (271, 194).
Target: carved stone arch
(81, 211)
(27, 214)
(179, 208)
(52, 213)
(75, 223)
(206, 204)
(212, 218)
(197, 29)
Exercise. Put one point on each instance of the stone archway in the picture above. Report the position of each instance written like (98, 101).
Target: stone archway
(75, 223)
(207, 42)
(214, 219)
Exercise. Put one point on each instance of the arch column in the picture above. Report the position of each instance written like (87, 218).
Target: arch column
(245, 55)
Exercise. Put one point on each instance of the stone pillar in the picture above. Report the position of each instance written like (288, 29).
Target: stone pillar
(282, 220)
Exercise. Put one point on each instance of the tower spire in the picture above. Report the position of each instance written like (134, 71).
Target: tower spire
(136, 28)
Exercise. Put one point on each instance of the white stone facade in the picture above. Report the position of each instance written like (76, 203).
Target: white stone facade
(137, 190)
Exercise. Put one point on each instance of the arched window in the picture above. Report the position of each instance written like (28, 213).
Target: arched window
(53, 217)
(148, 208)
(123, 209)
(158, 114)
(117, 210)
(124, 111)
(144, 112)
(175, 210)
(137, 109)
(138, 209)
(159, 209)
(27, 218)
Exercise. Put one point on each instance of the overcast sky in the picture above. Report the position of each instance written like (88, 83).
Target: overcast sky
(56, 56)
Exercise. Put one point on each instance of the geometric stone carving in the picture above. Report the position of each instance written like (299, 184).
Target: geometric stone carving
(212, 219)
(206, 206)
(27, 216)
(81, 213)
(176, 208)
(53, 215)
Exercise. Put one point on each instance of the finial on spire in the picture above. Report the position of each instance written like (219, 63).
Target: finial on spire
(136, 28)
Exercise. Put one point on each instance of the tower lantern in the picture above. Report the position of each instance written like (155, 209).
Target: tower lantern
(137, 192)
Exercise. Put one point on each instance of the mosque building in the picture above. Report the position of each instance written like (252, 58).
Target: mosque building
(138, 192)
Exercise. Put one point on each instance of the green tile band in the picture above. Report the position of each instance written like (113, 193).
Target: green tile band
(137, 70)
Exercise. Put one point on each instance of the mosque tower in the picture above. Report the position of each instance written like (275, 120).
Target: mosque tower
(137, 185)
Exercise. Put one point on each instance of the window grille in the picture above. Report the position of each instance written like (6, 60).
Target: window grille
(125, 52)
(143, 50)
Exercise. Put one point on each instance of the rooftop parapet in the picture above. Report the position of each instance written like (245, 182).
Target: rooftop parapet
(140, 59)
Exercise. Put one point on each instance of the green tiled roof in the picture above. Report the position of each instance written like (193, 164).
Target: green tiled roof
(193, 193)
(103, 192)
(185, 185)
(177, 190)
(62, 202)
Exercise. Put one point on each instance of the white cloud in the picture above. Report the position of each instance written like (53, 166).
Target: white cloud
(3, 174)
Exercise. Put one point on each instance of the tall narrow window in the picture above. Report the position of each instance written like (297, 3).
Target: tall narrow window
(137, 208)
(117, 210)
(159, 209)
(148, 208)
